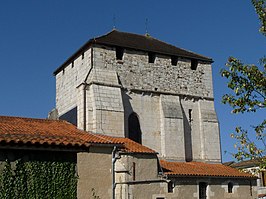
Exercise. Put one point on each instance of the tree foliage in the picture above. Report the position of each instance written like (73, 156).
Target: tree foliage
(260, 7)
(248, 85)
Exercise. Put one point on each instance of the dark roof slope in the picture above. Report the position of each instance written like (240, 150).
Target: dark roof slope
(138, 42)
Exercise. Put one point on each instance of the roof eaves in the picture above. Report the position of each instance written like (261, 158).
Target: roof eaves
(106, 144)
(200, 57)
(137, 152)
(42, 147)
(217, 176)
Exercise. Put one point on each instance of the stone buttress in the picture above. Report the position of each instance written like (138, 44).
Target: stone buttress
(128, 85)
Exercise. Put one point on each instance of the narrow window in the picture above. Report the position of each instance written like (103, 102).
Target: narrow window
(119, 53)
(202, 190)
(134, 171)
(82, 55)
(72, 64)
(250, 188)
(151, 57)
(134, 132)
(174, 60)
(63, 71)
(194, 64)
(263, 178)
(170, 187)
(230, 187)
(190, 115)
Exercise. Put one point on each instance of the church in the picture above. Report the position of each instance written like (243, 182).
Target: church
(143, 119)
(135, 86)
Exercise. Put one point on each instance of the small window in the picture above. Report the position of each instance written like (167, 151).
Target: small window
(250, 188)
(190, 115)
(134, 171)
(119, 53)
(263, 179)
(202, 190)
(194, 64)
(174, 60)
(72, 64)
(151, 57)
(170, 187)
(230, 187)
(82, 55)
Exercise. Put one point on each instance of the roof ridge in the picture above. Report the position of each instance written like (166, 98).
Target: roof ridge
(101, 36)
(34, 119)
(160, 47)
(151, 37)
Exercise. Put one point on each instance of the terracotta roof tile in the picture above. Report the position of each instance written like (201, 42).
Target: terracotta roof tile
(20, 130)
(129, 145)
(201, 169)
(42, 131)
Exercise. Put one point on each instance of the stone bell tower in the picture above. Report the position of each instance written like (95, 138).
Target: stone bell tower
(128, 85)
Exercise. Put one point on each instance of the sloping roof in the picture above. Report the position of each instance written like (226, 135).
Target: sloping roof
(244, 164)
(138, 42)
(43, 131)
(19, 130)
(261, 195)
(201, 169)
(129, 145)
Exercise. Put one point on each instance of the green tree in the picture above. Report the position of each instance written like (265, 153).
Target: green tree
(260, 7)
(248, 85)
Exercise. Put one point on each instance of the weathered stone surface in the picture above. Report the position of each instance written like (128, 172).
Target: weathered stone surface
(136, 73)
(174, 104)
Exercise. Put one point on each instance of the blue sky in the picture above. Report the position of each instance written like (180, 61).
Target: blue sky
(37, 36)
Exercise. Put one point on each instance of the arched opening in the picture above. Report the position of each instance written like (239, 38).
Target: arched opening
(230, 187)
(134, 132)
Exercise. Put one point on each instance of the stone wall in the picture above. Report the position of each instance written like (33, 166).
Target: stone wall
(147, 108)
(174, 104)
(67, 81)
(135, 72)
(137, 177)
(217, 188)
(94, 171)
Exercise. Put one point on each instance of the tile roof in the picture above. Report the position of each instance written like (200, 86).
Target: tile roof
(244, 164)
(129, 145)
(18, 130)
(145, 43)
(138, 42)
(201, 169)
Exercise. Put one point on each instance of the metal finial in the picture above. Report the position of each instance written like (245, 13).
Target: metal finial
(114, 22)
(146, 25)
